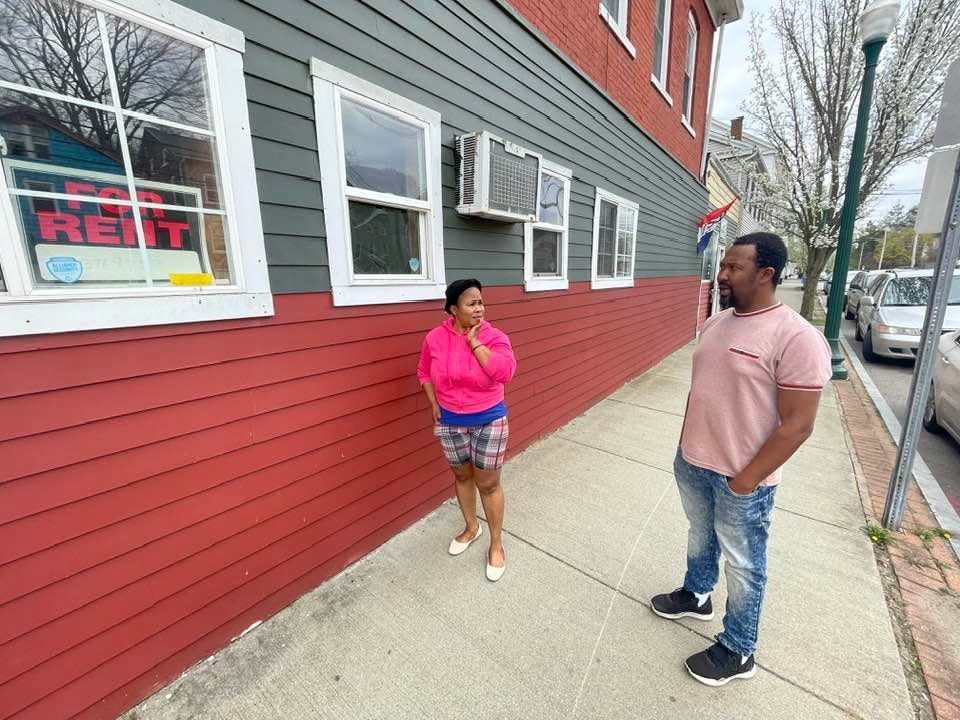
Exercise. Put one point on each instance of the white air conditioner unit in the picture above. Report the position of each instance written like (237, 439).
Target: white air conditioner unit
(496, 179)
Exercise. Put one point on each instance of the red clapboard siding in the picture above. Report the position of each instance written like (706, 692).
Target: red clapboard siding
(162, 488)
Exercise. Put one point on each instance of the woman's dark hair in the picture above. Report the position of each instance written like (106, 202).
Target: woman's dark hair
(771, 252)
(458, 288)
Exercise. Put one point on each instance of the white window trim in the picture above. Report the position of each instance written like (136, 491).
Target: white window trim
(688, 100)
(660, 79)
(26, 311)
(619, 25)
(329, 83)
(534, 283)
(661, 90)
(599, 283)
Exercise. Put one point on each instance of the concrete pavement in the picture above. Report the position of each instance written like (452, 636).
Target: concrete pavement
(594, 527)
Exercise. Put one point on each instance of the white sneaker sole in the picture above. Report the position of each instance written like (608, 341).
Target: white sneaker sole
(720, 683)
(677, 616)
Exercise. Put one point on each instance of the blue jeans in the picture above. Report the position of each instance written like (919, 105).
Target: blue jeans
(737, 525)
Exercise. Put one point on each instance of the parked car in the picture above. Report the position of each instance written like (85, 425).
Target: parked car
(858, 286)
(891, 313)
(850, 276)
(943, 404)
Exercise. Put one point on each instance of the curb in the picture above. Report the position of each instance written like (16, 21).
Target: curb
(936, 499)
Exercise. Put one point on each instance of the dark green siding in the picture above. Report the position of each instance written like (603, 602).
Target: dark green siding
(482, 69)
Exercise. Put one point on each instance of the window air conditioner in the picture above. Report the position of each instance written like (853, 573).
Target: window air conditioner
(496, 179)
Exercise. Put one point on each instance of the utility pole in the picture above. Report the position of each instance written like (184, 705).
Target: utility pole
(883, 249)
(913, 257)
(860, 264)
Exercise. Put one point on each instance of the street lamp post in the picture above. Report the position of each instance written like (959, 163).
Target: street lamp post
(876, 24)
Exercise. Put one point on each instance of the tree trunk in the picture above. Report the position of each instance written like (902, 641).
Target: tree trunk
(816, 261)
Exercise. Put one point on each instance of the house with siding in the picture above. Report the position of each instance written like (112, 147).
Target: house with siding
(746, 159)
(226, 226)
(721, 193)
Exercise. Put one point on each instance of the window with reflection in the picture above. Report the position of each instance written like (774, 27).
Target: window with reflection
(109, 149)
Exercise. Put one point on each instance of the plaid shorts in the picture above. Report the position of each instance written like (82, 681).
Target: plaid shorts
(484, 445)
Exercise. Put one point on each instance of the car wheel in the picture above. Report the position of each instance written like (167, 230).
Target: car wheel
(868, 353)
(930, 413)
(847, 313)
(858, 335)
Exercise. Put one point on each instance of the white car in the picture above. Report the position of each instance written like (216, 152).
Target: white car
(891, 313)
(943, 405)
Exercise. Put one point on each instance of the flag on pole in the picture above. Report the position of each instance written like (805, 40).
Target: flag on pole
(708, 225)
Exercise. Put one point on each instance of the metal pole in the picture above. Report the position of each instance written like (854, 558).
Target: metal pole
(883, 249)
(913, 257)
(871, 53)
(860, 264)
(923, 373)
(712, 92)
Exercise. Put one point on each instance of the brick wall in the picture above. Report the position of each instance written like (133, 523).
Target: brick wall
(576, 29)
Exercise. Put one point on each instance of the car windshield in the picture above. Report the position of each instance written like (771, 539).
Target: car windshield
(912, 291)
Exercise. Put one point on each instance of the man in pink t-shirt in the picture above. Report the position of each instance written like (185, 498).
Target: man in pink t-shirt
(758, 372)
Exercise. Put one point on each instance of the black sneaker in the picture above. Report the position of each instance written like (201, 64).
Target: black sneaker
(717, 666)
(681, 603)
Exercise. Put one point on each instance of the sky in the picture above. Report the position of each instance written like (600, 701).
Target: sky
(734, 85)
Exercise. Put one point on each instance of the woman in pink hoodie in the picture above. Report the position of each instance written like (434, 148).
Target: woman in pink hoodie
(463, 367)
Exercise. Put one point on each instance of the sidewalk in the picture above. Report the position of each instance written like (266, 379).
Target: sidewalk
(594, 528)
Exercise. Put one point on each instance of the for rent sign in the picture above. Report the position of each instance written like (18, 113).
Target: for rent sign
(95, 239)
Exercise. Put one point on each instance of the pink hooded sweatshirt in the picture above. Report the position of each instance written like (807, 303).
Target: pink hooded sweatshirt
(461, 383)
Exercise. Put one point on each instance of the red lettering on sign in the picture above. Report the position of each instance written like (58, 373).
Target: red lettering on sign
(52, 225)
(117, 194)
(150, 197)
(70, 187)
(101, 230)
(129, 229)
(149, 233)
(174, 229)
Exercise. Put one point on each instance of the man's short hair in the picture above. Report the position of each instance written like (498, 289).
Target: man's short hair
(771, 252)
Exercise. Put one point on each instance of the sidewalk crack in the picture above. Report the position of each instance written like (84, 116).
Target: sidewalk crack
(644, 407)
(816, 520)
(610, 452)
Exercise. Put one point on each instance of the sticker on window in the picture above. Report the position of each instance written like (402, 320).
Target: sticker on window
(65, 269)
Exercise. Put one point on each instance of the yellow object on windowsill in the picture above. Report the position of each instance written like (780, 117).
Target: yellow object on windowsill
(191, 279)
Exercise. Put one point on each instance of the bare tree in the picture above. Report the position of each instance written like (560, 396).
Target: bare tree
(56, 46)
(804, 104)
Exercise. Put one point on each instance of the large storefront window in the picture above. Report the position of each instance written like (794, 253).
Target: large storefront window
(113, 156)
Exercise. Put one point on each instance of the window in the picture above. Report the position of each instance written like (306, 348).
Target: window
(39, 204)
(661, 48)
(380, 169)
(616, 12)
(689, 67)
(546, 241)
(111, 122)
(614, 241)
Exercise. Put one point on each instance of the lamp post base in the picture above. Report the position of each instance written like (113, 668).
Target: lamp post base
(836, 361)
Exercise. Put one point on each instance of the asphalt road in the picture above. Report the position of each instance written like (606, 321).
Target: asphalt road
(892, 378)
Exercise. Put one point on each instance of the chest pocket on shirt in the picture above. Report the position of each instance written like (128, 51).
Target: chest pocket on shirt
(744, 352)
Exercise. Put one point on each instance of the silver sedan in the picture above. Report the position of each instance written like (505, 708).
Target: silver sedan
(943, 404)
(890, 317)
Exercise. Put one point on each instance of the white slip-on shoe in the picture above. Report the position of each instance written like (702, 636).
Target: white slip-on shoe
(495, 573)
(458, 547)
